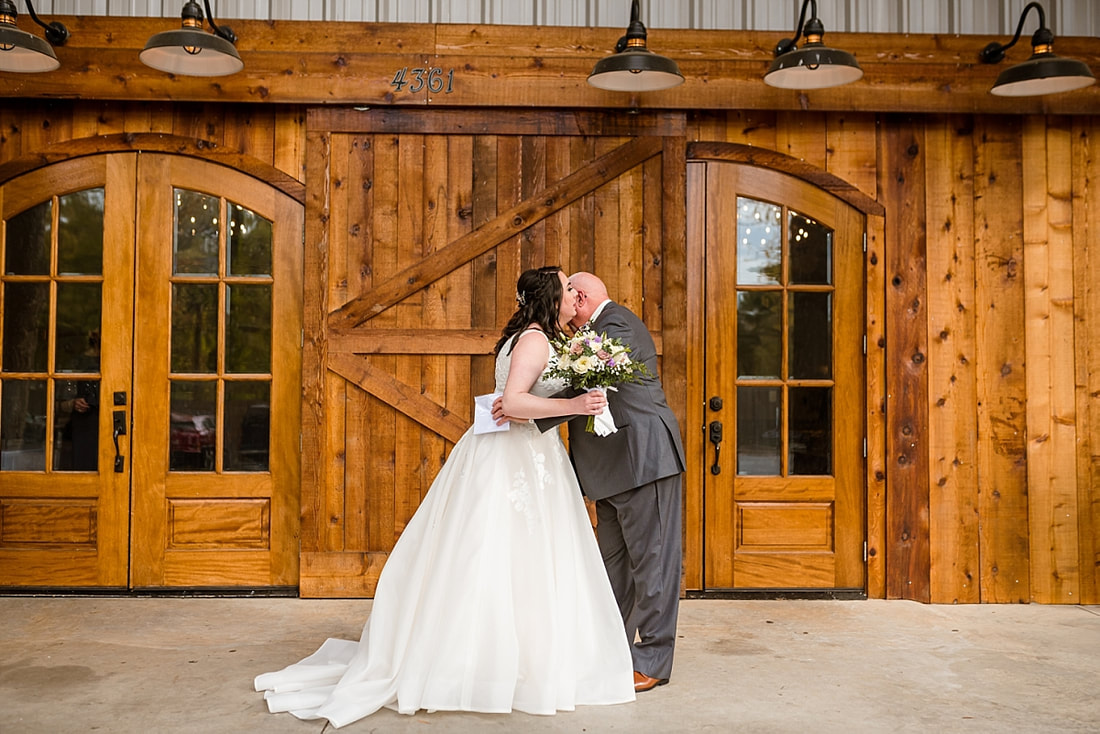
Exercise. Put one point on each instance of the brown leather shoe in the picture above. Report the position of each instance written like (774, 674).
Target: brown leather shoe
(643, 682)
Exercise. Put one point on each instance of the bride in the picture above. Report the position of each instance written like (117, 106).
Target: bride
(494, 599)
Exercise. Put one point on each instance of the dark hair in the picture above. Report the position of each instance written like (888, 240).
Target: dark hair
(538, 301)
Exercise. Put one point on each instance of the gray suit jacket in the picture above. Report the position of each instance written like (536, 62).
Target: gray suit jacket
(647, 445)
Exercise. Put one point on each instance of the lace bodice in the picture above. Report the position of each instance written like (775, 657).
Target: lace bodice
(545, 386)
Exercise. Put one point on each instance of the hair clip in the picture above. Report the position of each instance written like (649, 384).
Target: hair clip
(520, 298)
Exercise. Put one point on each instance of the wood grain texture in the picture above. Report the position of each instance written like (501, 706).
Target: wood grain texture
(1049, 336)
(901, 180)
(508, 224)
(1086, 256)
(1001, 384)
(334, 63)
(952, 423)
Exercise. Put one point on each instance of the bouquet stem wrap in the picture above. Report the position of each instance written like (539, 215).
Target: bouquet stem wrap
(604, 423)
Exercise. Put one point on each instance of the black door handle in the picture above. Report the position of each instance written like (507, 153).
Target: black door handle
(715, 432)
(119, 430)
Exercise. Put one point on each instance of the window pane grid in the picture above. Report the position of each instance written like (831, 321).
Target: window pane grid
(237, 287)
(786, 269)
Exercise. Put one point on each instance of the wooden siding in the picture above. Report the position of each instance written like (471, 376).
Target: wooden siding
(289, 62)
(991, 340)
(983, 469)
(1068, 17)
(418, 235)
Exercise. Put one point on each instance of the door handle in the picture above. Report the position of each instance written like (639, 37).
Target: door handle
(715, 432)
(120, 430)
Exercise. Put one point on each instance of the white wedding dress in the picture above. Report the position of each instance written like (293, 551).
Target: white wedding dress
(494, 599)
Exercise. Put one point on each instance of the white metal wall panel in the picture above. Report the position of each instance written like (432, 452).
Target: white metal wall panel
(918, 15)
(456, 11)
(665, 14)
(510, 12)
(246, 9)
(981, 17)
(873, 16)
(972, 17)
(778, 15)
(717, 14)
(573, 13)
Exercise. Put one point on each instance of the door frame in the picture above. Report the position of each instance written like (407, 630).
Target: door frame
(54, 157)
(874, 360)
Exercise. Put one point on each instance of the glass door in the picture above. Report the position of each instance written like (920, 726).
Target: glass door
(149, 376)
(783, 506)
(65, 356)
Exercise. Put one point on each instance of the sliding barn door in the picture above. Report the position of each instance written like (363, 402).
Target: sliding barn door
(417, 228)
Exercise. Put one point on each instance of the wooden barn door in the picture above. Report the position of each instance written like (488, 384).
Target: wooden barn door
(418, 224)
(784, 480)
(150, 376)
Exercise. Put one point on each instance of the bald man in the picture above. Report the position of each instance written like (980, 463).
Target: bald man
(633, 475)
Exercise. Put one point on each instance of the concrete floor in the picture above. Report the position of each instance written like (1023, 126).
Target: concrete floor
(187, 664)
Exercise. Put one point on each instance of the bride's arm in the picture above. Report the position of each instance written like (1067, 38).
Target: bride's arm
(528, 361)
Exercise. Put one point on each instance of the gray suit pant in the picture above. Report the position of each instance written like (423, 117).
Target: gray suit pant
(639, 535)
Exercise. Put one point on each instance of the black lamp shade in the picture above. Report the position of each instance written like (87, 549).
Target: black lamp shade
(814, 66)
(635, 70)
(191, 52)
(1043, 73)
(24, 52)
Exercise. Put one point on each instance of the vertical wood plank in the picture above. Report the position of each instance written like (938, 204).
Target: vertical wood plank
(509, 254)
(751, 127)
(250, 129)
(83, 115)
(631, 242)
(11, 133)
(583, 211)
(336, 388)
(652, 262)
(558, 245)
(383, 419)
(532, 180)
(1086, 224)
(1002, 390)
(877, 457)
(408, 463)
(433, 382)
(1048, 318)
(289, 134)
(901, 180)
(460, 296)
(315, 448)
(952, 425)
(850, 149)
(694, 365)
(608, 238)
(484, 287)
(358, 498)
(802, 135)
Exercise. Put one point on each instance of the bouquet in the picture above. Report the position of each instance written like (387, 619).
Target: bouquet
(587, 361)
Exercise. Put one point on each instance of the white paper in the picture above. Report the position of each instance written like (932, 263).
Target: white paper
(483, 414)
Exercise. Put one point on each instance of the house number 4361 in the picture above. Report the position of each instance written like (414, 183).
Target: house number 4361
(435, 79)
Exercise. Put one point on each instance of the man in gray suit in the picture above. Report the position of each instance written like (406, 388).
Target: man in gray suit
(633, 475)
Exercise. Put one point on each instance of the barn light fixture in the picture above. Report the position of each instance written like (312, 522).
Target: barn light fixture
(191, 51)
(1043, 73)
(633, 67)
(21, 51)
(815, 65)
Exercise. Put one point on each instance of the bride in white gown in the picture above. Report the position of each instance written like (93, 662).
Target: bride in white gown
(495, 598)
